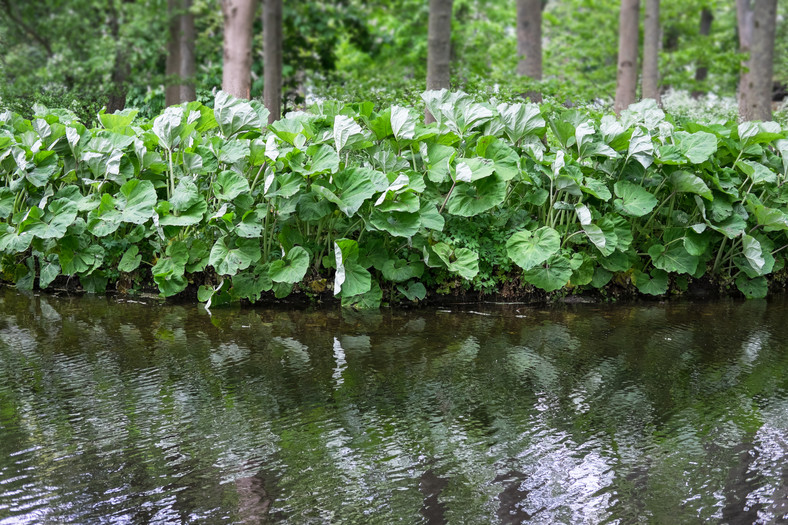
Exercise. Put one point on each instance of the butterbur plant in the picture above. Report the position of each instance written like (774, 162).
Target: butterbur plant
(365, 203)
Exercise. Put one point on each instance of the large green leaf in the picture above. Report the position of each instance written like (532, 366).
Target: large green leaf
(167, 127)
(350, 278)
(697, 147)
(229, 256)
(234, 115)
(398, 224)
(756, 288)
(60, 214)
(229, 184)
(131, 259)
(673, 258)
(400, 270)
(528, 249)
(753, 252)
(551, 275)
(351, 188)
(652, 283)
(136, 201)
(188, 206)
(757, 172)
(346, 132)
(251, 283)
(292, 268)
(520, 120)
(469, 199)
(633, 200)
(460, 260)
(683, 181)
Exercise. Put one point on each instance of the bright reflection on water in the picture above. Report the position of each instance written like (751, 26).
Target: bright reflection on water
(123, 412)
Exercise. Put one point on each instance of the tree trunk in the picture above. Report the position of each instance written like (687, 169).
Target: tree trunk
(187, 91)
(237, 68)
(650, 80)
(757, 25)
(626, 84)
(706, 18)
(122, 69)
(272, 60)
(529, 42)
(438, 48)
(172, 68)
(180, 57)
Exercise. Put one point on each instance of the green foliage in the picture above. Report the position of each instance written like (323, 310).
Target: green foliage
(375, 202)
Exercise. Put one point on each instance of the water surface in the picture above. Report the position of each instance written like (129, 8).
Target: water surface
(116, 411)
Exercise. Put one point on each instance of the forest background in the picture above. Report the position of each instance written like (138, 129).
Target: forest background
(87, 54)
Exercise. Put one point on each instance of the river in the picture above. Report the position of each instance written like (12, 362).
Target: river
(134, 411)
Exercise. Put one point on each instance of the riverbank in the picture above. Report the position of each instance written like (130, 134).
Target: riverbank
(371, 206)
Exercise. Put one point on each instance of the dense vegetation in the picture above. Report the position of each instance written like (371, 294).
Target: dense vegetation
(375, 206)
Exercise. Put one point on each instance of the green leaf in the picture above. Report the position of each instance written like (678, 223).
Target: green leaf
(551, 275)
(683, 181)
(352, 188)
(250, 284)
(7, 198)
(136, 201)
(415, 291)
(771, 219)
(757, 172)
(633, 200)
(50, 269)
(520, 120)
(674, 258)
(167, 127)
(529, 249)
(229, 184)
(350, 278)
(652, 283)
(640, 148)
(117, 121)
(430, 218)
(596, 188)
(366, 301)
(472, 199)
(461, 260)
(697, 147)
(731, 227)
(753, 252)
(439, 158)
(292, 268)
(60, 214)
(403, 123)
(757, 288)
(131, 259)
(400, 270)
(346, 132)
(398, 224)
(473, 169)
(505, 159)
(229, 256)
(234, 115)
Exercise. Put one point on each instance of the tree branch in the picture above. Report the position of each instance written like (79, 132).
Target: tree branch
(26, 28)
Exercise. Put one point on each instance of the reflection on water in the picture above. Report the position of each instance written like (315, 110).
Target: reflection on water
(123, 412)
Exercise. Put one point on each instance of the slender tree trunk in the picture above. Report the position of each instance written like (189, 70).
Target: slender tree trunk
(529, 42)
(438, 48)
(180, 53)
(237, 69)
(272, 66)
(186, 70)
(172, 68)
(650, 81)
(757, 25)
(626, 85)
(122, 69)
(706, 18)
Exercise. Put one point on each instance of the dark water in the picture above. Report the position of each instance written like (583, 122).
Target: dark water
(123, 412)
